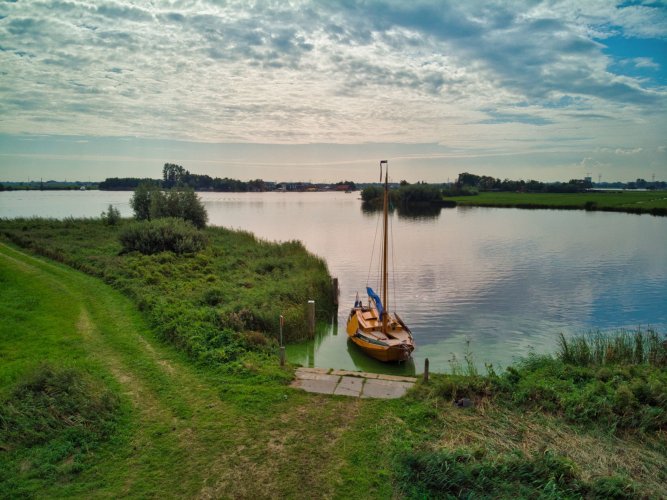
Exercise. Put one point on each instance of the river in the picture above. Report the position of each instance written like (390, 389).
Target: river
(496, 283)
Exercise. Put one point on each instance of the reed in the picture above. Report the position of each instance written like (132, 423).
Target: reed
(618, 347)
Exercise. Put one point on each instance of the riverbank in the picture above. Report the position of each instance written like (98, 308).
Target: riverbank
(189, 428)
(636, 202)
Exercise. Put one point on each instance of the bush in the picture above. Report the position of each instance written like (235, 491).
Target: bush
(149, 202)
(464, 474)
(111, 217)
(182, 203)
(162, 235)
(56, 403)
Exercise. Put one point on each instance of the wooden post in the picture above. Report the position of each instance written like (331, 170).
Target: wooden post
(311, 318)
(336, 291)
(282, 355)
(426, 370)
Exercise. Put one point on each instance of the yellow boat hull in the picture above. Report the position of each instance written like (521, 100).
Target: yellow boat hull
(365, 330)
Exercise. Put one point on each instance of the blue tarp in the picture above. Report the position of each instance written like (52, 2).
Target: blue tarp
(376, 299)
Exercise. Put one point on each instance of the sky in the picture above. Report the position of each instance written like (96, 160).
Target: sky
(323, 90)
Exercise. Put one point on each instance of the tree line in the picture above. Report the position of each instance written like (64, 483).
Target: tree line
(177, 176)
(467, 183)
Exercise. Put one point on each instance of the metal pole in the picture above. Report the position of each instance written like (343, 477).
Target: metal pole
(311, 317)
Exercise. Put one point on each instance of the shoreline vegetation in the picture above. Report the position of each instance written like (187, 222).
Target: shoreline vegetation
(469, 190)
(430, 199)
(133, 372)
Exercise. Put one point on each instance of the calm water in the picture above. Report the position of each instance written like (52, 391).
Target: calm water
(500, 282)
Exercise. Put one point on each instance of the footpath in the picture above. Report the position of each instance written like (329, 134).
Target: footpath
(355, 384)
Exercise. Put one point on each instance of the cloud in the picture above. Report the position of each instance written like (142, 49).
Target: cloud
(341, 72)
(628, 151)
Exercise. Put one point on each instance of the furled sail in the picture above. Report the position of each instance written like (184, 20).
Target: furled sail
(376, 299)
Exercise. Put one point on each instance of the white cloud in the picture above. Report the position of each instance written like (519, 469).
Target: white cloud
(482, 78)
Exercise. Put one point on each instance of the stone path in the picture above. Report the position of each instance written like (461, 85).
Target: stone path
(355, 384)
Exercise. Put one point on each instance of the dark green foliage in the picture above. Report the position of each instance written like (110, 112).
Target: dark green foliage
(57, 403)
(183, 203)
(628, 394)
(149, 202)
(600, 348)
(51, 423)
(141, 200)
(111, 217)
(201, 302)
(162, 235)
(123, 183)
(472, 474)
(405, 196)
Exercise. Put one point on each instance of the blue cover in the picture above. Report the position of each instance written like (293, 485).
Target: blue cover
(376, 299)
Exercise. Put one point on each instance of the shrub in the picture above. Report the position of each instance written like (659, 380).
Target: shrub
(141, 200)
(57, 403)
(463, 474)
(149, 202)
(162, 235)
(111, 217)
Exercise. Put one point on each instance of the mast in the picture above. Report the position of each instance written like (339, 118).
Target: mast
(385, 246)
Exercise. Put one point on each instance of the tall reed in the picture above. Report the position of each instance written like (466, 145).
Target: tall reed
(633, 347)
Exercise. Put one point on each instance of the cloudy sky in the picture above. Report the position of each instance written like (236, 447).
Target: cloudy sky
(299, 90)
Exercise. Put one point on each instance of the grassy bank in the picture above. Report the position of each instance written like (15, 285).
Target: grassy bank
(572, 425)
(215, 304)
(653, 202)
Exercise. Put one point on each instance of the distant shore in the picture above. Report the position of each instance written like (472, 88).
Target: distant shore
(635, 202)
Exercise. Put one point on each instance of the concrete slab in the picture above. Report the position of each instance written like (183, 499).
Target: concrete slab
(316, 376)
(385, 389)
(347, 373)
(349, 386)
(320, 386)
(349, 383)
(303, 369)
(397, 378)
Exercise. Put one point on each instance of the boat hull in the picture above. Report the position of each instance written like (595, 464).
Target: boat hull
(384, 354)
(365, 330)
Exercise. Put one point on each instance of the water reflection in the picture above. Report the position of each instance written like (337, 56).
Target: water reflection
(332, 348)
(415, 212)
(507, 281)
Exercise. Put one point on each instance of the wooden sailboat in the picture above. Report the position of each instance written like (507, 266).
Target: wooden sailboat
(378, 332)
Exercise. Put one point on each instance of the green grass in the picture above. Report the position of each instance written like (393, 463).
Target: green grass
(627, 201)
(210, 303)
(182, 430)
(544, 428)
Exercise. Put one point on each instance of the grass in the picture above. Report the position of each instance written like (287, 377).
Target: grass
(544, 428)
(182, 430)
(653, 202)
(621, 347)
(210, 303)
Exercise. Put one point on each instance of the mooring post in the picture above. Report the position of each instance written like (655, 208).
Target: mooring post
(311, 317)
(282, 347)
(336, 291)
(426, 370)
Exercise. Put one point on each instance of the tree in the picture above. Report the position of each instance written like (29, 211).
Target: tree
(111, 217)
(141, 200)
(173, 175)
(149, 203)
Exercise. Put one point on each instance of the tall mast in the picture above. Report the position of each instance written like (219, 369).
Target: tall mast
(385, 246)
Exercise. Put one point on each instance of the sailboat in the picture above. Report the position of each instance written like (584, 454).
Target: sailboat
(378, 332)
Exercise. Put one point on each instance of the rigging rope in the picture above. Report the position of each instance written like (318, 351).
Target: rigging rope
(370, 265)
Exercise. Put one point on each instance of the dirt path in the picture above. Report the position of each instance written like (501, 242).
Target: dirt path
(192, 436)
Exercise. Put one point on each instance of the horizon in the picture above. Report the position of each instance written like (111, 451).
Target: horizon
(322, 91)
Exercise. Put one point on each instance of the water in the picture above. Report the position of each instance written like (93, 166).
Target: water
(498, 282)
